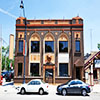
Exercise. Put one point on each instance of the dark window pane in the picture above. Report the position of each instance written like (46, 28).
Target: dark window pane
(77, 45)
(78, 82)
(19, 69)
(34, 69)
(35, 46)
(49, 46)
(38, 83)
(73, 83)
(63, 69)
(63, 46)
(20, 45)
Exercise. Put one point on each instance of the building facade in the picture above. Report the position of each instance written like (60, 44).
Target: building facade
(55, 50)
(92, 68)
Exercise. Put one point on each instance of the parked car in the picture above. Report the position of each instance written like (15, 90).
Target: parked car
(8, 77)
(36, 85)
(74, 87)
(4, 73)
(1, 80)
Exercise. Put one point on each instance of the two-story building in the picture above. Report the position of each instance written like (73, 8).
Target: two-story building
(59, 41)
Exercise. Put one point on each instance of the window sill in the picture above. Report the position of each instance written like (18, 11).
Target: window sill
(78, 54)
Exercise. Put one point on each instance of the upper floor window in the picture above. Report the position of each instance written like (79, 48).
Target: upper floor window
(63, 46)
(35, 46)
(77, 45)
(49, 46)
(20, 45)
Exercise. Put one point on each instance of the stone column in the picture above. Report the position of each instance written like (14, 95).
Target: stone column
(44, 73)
(53, 74)
(91, 75)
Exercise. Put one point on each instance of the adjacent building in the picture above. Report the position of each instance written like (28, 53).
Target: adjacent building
(92, 68)
(55, 50)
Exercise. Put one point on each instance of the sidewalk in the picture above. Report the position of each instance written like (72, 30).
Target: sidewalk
(96, 88)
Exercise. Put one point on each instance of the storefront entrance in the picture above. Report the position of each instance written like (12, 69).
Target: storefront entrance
(49, 73)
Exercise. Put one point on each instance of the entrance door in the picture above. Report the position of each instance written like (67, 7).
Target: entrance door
(78, 74)
(95, 74)
(49, 75)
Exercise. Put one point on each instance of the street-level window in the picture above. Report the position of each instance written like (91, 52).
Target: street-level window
(63, 69)
(35, 46)
(77, 45)
(34, 69)
(63, 46)
(19, 69)
(21, 46)
(49, 46)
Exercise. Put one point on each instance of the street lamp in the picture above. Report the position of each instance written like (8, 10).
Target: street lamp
(22, 7)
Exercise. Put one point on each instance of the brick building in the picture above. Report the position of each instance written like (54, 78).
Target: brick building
(55, 50)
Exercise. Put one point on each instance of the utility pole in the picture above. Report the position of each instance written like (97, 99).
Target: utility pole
(91, 38)
(22, 7)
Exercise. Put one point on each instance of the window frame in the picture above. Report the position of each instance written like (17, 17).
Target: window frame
(51, 47)
(79, 46)
(33, 71)
(66, 71)
(35, 46)
(63, 51)
(21, 64)
(21, 46)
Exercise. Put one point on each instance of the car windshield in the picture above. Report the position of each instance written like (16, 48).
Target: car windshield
(42, 81)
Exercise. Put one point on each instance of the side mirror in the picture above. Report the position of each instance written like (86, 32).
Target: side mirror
(69, 85)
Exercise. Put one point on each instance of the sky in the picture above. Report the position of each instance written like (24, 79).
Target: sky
(89, 10)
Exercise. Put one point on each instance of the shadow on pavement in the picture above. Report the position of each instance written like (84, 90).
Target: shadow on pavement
(72, 95)
(32, 93)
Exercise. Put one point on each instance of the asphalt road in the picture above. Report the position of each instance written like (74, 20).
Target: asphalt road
(10, 93)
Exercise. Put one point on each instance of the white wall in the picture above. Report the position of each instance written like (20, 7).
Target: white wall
(63, 58)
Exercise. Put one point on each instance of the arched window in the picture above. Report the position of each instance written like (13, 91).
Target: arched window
(63, 44)
(49, 44)
(35, 44)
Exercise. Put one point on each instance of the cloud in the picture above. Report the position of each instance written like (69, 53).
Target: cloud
(7, 13)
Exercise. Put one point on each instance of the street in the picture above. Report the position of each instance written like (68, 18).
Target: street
(10, 93)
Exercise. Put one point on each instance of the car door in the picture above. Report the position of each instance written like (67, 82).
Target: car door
(79, 85)
(37, 86)
(72, 87)
(31, 86)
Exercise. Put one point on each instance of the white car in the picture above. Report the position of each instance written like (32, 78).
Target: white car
(36, 85)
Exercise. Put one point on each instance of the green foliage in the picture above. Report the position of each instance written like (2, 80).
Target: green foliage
(5, 58)
(99, 46)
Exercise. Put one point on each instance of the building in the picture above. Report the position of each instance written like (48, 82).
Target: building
(55, 50)
(92, 68)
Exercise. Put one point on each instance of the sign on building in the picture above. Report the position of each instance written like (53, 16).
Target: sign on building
(97, 63)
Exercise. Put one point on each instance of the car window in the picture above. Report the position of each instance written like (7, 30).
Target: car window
(73, 83)
(32, 83)
(38, 83)
(78, 82)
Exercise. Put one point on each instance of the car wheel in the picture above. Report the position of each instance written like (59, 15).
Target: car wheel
(22, 91)
(64, 92)
(41, 91)
(84, 92)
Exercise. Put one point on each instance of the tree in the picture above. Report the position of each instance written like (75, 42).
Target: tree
(5, 59)
(99, 46)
